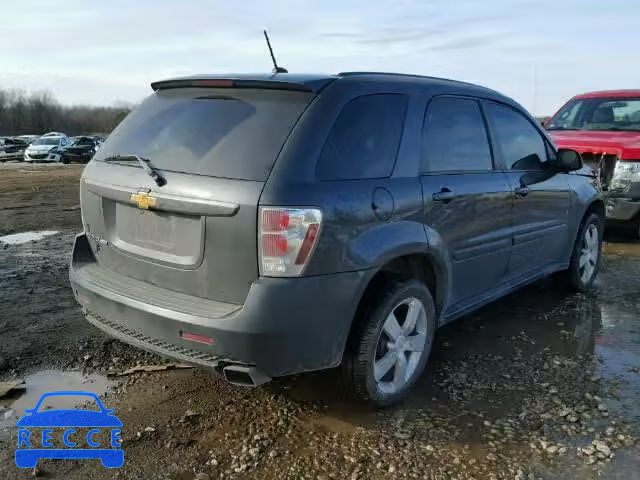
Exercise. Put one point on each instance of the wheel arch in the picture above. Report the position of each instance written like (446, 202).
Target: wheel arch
(595, 205)
(423, 265)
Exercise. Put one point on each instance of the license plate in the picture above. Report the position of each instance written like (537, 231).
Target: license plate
(146, 228)
(173, 237)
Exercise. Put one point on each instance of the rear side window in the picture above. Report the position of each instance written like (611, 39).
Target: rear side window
(364, 141)
(520, 144)
(231, 133)
(454, 136)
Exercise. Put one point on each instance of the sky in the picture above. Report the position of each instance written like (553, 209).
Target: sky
(104, 52)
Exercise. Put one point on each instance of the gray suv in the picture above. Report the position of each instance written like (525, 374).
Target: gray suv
(268, 225)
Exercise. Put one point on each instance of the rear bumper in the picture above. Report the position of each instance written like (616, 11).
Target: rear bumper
(286, 325)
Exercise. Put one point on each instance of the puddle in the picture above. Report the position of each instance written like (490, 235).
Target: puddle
(525, 331)
(25, 237)
(12, 405)
(618, 351)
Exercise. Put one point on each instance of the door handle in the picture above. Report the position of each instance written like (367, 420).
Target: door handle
(522, 191)
(444, 195)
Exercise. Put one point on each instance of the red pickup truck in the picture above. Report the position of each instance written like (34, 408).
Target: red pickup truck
(605, 128)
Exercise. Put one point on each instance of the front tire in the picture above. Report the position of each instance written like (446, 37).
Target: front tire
(586, 254)
(391, 342)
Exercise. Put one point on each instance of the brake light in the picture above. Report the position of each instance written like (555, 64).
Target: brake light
(275, 220)
(213, 83)
(274, 245)
(307, 244)
(286, 239)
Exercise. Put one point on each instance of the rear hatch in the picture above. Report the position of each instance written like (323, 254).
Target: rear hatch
(215, 147)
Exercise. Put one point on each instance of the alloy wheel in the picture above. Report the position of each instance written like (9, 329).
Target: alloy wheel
(400, 345)
(589, 253)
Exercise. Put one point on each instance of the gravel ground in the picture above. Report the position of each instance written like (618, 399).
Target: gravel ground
(540, 384)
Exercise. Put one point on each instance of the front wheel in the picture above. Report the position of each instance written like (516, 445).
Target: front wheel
(586, 255)
(390, 345)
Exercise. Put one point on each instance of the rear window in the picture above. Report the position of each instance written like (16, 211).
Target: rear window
(365, 138)
(231, 133)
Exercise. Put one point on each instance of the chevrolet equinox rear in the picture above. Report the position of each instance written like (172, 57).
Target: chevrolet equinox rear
(268, 225)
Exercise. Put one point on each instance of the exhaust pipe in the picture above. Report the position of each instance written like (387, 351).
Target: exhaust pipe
(244, 376)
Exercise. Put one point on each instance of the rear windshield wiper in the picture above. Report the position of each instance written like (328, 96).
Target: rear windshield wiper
(145, 163)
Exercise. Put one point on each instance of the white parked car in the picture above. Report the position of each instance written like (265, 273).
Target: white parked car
(46, 149)
(28, 138)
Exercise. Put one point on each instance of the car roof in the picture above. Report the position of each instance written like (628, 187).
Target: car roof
(315, 82)
(610, 93)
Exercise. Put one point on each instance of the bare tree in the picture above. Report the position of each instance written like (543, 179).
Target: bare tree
(39, 112)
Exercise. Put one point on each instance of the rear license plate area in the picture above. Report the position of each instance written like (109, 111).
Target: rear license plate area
(157, 236)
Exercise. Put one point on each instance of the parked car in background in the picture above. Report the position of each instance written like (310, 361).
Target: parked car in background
(54, 134)
(46, 149)
(266, 225)
(81, 149)
(28, 139)
(2, 140)
(605, 128)
(12, 149)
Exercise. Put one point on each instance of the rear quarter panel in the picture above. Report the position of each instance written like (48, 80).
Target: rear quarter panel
(352, 236)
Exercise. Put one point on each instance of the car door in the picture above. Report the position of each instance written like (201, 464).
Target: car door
(542, 197)
(467, 202)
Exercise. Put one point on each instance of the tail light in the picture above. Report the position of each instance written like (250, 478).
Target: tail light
(286, 239)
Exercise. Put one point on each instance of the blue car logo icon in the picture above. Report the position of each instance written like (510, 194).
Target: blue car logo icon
(31, 448)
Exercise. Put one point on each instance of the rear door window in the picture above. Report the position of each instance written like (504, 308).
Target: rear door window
(364, 140)
(521, 145)
(455, 137)
(231, 133)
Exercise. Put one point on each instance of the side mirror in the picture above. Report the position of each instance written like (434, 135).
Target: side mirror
(568, 160)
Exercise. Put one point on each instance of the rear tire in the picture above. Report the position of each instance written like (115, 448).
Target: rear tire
(385, 358)
(586, 255)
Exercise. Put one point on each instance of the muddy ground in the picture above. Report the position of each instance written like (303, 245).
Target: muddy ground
(541, 384)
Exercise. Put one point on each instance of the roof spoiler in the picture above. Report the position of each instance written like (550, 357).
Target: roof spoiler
(229, 83)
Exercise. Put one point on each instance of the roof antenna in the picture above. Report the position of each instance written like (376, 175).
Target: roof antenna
(276, 68)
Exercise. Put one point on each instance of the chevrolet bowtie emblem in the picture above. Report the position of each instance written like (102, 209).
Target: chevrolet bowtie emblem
(143, 200)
